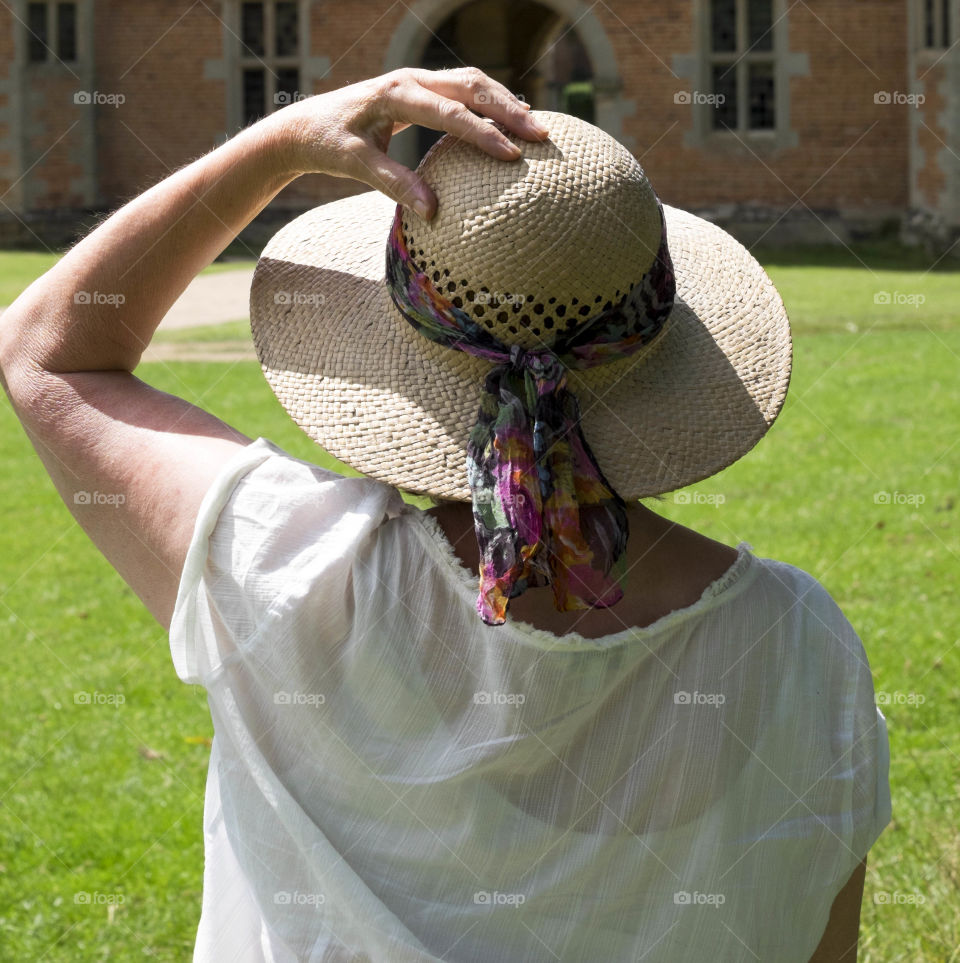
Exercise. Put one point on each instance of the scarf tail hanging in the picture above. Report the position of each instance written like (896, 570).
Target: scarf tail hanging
(543, 512)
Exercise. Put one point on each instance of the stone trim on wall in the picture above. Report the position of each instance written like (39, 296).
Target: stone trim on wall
(313, 68)
(412, 34)
(694, 67)
(934, 220)
(24, 125)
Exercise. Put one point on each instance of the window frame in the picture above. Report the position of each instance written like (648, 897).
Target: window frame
(52, 54)
(269, 62)
(943, 26)
(742, 58)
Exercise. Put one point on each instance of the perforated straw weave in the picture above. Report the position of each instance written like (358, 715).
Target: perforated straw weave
(531, 248)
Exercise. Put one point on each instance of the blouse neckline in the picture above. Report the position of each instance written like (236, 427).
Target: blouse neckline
(721, 590)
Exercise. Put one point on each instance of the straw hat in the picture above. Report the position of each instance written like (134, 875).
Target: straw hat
(531, 249)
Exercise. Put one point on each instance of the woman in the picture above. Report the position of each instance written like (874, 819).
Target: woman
(673, 754)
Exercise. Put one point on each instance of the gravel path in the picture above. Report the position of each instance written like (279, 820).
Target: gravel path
(211, 299)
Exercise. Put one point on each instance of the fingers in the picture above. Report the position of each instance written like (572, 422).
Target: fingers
(442, 100)
(471, 87)
(397, 181)
(445, 100)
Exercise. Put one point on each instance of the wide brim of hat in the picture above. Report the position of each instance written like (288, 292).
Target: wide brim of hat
(376, 394)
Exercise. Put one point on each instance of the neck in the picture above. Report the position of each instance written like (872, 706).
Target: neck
(647, 530)
(668, 567)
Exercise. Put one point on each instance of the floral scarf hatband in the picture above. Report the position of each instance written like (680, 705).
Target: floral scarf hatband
(543, 512)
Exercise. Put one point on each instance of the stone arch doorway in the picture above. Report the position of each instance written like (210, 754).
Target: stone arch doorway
(553, 52)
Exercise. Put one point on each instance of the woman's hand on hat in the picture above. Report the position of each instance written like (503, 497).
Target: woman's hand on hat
(346, 132)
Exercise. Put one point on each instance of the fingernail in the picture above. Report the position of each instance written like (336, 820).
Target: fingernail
(421, 207)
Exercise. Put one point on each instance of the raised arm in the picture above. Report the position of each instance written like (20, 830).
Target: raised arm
(70, 342)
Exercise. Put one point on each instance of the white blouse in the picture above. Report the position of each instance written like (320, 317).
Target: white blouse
(392, 780)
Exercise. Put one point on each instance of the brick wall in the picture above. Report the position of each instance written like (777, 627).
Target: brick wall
(153, 53)
(851, 154)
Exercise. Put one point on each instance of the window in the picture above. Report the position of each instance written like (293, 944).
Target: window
(51, 30)
(935, 24)
(741, 66)
(269, 57)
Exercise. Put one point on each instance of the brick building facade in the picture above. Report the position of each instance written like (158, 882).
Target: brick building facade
(819, 119)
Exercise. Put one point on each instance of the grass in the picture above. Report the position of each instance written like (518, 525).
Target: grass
(108, 799)
(237, 332)
(19, 269)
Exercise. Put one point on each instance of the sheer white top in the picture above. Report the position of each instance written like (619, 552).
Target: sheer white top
(393, 780)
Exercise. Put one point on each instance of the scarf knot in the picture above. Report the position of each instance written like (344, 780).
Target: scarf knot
(543, 364)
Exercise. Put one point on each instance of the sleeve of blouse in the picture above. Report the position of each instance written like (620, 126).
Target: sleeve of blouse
(269, 528)
(860, 778)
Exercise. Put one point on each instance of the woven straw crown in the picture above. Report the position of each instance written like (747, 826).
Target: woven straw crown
(536, 247)
(572, 220)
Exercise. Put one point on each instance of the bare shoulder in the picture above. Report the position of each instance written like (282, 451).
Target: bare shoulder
(679, 561)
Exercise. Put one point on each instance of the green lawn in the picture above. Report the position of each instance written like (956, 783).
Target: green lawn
(107, 799)
(18, 269)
